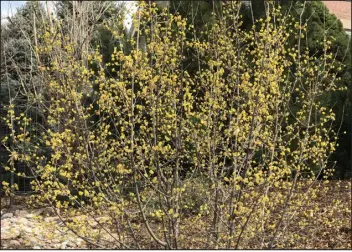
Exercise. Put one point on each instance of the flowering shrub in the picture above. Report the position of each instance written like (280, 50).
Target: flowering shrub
(116, 145)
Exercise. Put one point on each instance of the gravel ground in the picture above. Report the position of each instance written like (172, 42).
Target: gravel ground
(21, 229)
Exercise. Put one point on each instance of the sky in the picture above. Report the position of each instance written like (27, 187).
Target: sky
(8, 8)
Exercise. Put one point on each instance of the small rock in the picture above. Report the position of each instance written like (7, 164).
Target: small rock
(29, 216)
(21, 213)
(32, 241)
(10, 234)
(71, 244)
(14, 244)
(79, 242)
(38, 231)
(52, 219)
(5, 223)
(37, 247)
(6, 216)
(22, 220)
(27, 230)
(39, 211)
(64, 244)
(44, 211)
(30, 224)
(12, 220)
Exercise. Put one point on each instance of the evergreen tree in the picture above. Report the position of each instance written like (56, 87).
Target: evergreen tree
(84, 21)
(321, 24)
(19, 75)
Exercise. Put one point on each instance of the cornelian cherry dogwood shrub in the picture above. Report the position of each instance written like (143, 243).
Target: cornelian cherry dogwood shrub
(126, 151)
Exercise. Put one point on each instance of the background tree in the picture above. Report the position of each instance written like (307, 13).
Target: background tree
(322, 25)
(19, 78)
(21, 85)
(84, 21)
